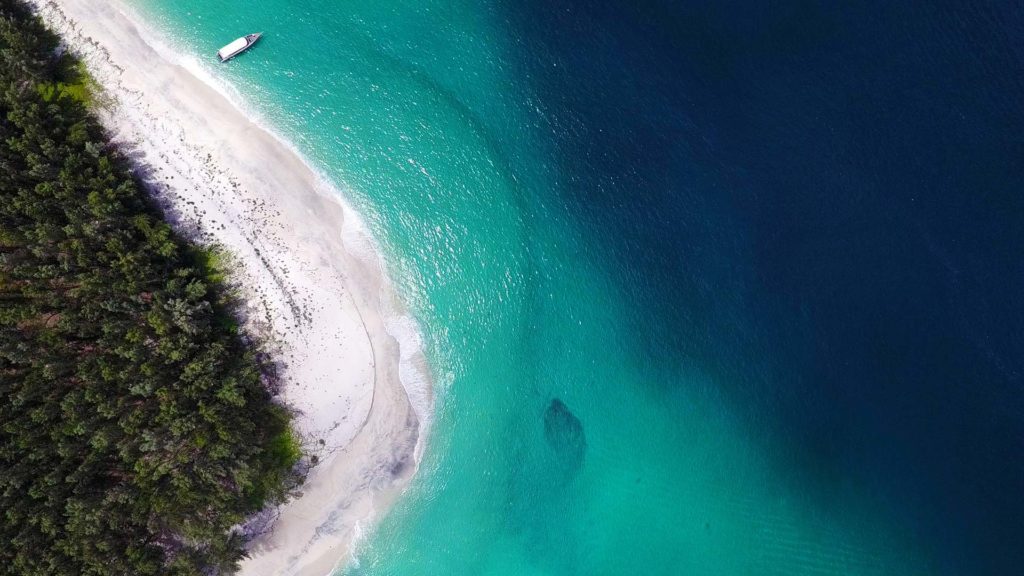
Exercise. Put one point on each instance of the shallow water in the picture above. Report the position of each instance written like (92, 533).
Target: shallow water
(707, 289)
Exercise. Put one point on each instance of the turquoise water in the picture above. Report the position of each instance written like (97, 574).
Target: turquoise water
(595, 414)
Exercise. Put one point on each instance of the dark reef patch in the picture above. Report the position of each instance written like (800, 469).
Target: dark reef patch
(564, 433)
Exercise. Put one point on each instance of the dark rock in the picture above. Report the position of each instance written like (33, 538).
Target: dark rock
(564, 433)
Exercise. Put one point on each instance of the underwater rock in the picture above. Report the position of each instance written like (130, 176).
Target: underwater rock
(564, 433)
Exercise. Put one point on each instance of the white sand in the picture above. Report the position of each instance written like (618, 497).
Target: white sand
(226, 180)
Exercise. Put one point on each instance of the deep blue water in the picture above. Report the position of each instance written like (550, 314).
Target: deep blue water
(824, 205)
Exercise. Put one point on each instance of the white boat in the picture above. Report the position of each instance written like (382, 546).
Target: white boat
(238, 46)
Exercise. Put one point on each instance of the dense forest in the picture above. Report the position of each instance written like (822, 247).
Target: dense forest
(136, 426)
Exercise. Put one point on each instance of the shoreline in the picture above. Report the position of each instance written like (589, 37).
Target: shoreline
(299, 258)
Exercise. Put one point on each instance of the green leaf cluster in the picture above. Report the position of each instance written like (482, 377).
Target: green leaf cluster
(136, 428)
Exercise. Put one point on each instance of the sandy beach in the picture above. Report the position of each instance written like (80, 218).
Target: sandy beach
(313, 284)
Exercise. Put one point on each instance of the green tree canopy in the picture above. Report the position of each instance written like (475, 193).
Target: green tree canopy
(135, 425)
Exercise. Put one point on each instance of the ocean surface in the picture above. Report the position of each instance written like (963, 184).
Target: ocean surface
(708, 288)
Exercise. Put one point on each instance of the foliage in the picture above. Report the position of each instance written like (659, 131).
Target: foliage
(135, 427)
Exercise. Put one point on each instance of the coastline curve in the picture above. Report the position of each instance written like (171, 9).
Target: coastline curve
(310, 271)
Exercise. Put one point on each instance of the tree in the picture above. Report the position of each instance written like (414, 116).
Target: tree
(135, 428)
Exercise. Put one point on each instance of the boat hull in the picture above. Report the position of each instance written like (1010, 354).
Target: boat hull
(238, 46)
